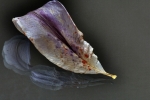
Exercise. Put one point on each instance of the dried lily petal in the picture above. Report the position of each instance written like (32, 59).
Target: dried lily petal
(52, 31)
(18, 59)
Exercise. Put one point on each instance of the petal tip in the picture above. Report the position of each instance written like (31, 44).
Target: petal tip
(114, 76)
(111, 75)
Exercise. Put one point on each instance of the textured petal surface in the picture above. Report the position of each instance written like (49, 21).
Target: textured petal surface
(52, 31)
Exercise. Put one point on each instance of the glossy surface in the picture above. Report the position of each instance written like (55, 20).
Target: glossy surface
(122, 34)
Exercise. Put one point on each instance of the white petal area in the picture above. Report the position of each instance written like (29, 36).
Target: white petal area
(47, 45)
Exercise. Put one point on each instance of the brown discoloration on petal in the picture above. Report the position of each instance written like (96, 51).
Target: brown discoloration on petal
(81, 50)
(89, 68)
(86, 55)
(31, 39)
(84, 62)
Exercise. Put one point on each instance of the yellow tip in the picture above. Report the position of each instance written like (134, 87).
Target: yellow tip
(114, 76)
(111, 75)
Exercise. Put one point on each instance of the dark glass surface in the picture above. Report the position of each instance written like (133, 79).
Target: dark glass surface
(120, 34)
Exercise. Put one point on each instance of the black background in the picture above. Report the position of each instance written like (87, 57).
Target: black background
(117, 29)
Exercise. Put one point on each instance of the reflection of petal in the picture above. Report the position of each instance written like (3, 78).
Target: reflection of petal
(16, 54)
(43, 76)
(46, 77)
(18, 59)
